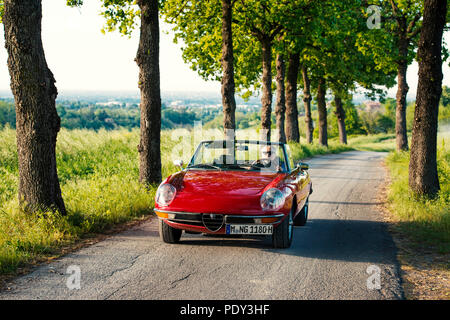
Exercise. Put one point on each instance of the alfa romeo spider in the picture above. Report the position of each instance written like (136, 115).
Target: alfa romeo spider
(238, 187)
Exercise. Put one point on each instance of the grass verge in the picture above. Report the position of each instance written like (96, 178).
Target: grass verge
(421, 227)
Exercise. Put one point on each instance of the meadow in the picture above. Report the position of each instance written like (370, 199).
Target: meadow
(426, 222)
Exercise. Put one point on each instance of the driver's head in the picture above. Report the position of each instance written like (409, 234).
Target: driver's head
(267, 152)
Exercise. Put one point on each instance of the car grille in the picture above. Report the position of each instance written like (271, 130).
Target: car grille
(213, 222)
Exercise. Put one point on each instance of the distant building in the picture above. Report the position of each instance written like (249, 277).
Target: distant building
(373, 106)
(109, 103)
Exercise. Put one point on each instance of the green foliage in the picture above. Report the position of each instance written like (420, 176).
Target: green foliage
(400, 18)
(390, 105)
(175, 118)
(334, 52)
(74, 3)
(121, 15)
(445, 97)
(243, 121)
(2, 8)
(376, 122)
(353, 124)
(7, 114)
(76, 115)
(197, 24)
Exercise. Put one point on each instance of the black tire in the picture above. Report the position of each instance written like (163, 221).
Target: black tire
(302, 217)
(282, 235)
(169, 234)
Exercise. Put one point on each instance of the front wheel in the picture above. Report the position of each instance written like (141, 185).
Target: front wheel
(169, 234)
(282, 235)
(302, 217)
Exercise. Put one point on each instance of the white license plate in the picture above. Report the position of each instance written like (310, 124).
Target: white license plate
(258, 229)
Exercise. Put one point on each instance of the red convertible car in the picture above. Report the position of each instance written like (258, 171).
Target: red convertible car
(235, 187)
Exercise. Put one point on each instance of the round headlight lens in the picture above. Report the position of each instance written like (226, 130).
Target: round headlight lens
(165, 194)
(272, 200)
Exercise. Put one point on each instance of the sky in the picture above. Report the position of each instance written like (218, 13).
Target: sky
(83, 59)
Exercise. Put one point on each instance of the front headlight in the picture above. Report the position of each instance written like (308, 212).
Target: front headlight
(272, 200)
(165, 194)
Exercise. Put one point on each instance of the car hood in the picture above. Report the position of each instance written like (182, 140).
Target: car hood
(228, 192)
(212, 182)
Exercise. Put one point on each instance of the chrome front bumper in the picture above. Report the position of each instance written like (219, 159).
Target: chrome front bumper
(192, 218)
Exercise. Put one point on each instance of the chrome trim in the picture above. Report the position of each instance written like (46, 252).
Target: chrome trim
(175, 212)
(276, 215)
(256, 219)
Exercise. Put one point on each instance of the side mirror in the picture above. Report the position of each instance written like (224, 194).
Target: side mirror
(178, 163)
(303, 166)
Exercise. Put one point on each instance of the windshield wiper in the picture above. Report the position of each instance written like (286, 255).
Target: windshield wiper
(203, 165)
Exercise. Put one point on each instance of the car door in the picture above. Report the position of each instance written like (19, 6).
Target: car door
(298, 179)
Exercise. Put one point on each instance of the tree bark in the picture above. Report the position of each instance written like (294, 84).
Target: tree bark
(322, 110)
(402, 91)
(266, 100)
(291, 122)
(147, 60)
(280, 108)
(340, 114)
(228, 86)
(307, 103)
(423, 176)
(37, 122)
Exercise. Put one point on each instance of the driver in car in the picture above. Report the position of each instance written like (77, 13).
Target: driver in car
(269, 158)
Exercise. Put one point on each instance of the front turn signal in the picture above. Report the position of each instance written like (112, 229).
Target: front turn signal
(162, 215)
(269, 220)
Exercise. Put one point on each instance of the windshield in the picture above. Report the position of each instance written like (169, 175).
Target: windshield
(240, 155)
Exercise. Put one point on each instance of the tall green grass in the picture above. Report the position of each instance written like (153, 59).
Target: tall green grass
(97, 171)
(301, 151)
(425, 221)
(378, 142)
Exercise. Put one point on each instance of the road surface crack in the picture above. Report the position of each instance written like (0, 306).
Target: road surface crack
(133, 261)
(115, 291)
(176, 282)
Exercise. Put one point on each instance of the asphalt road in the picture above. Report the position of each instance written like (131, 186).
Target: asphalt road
(329, 259)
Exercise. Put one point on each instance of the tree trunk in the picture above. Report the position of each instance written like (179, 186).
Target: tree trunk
(322, 110)
(291, 129)
(266, 100)
(340, 114)
(307, 103)
(423, 176)
(228, 87)
(402, 91)
(147, 60)
(37, 122)
(280, 108)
